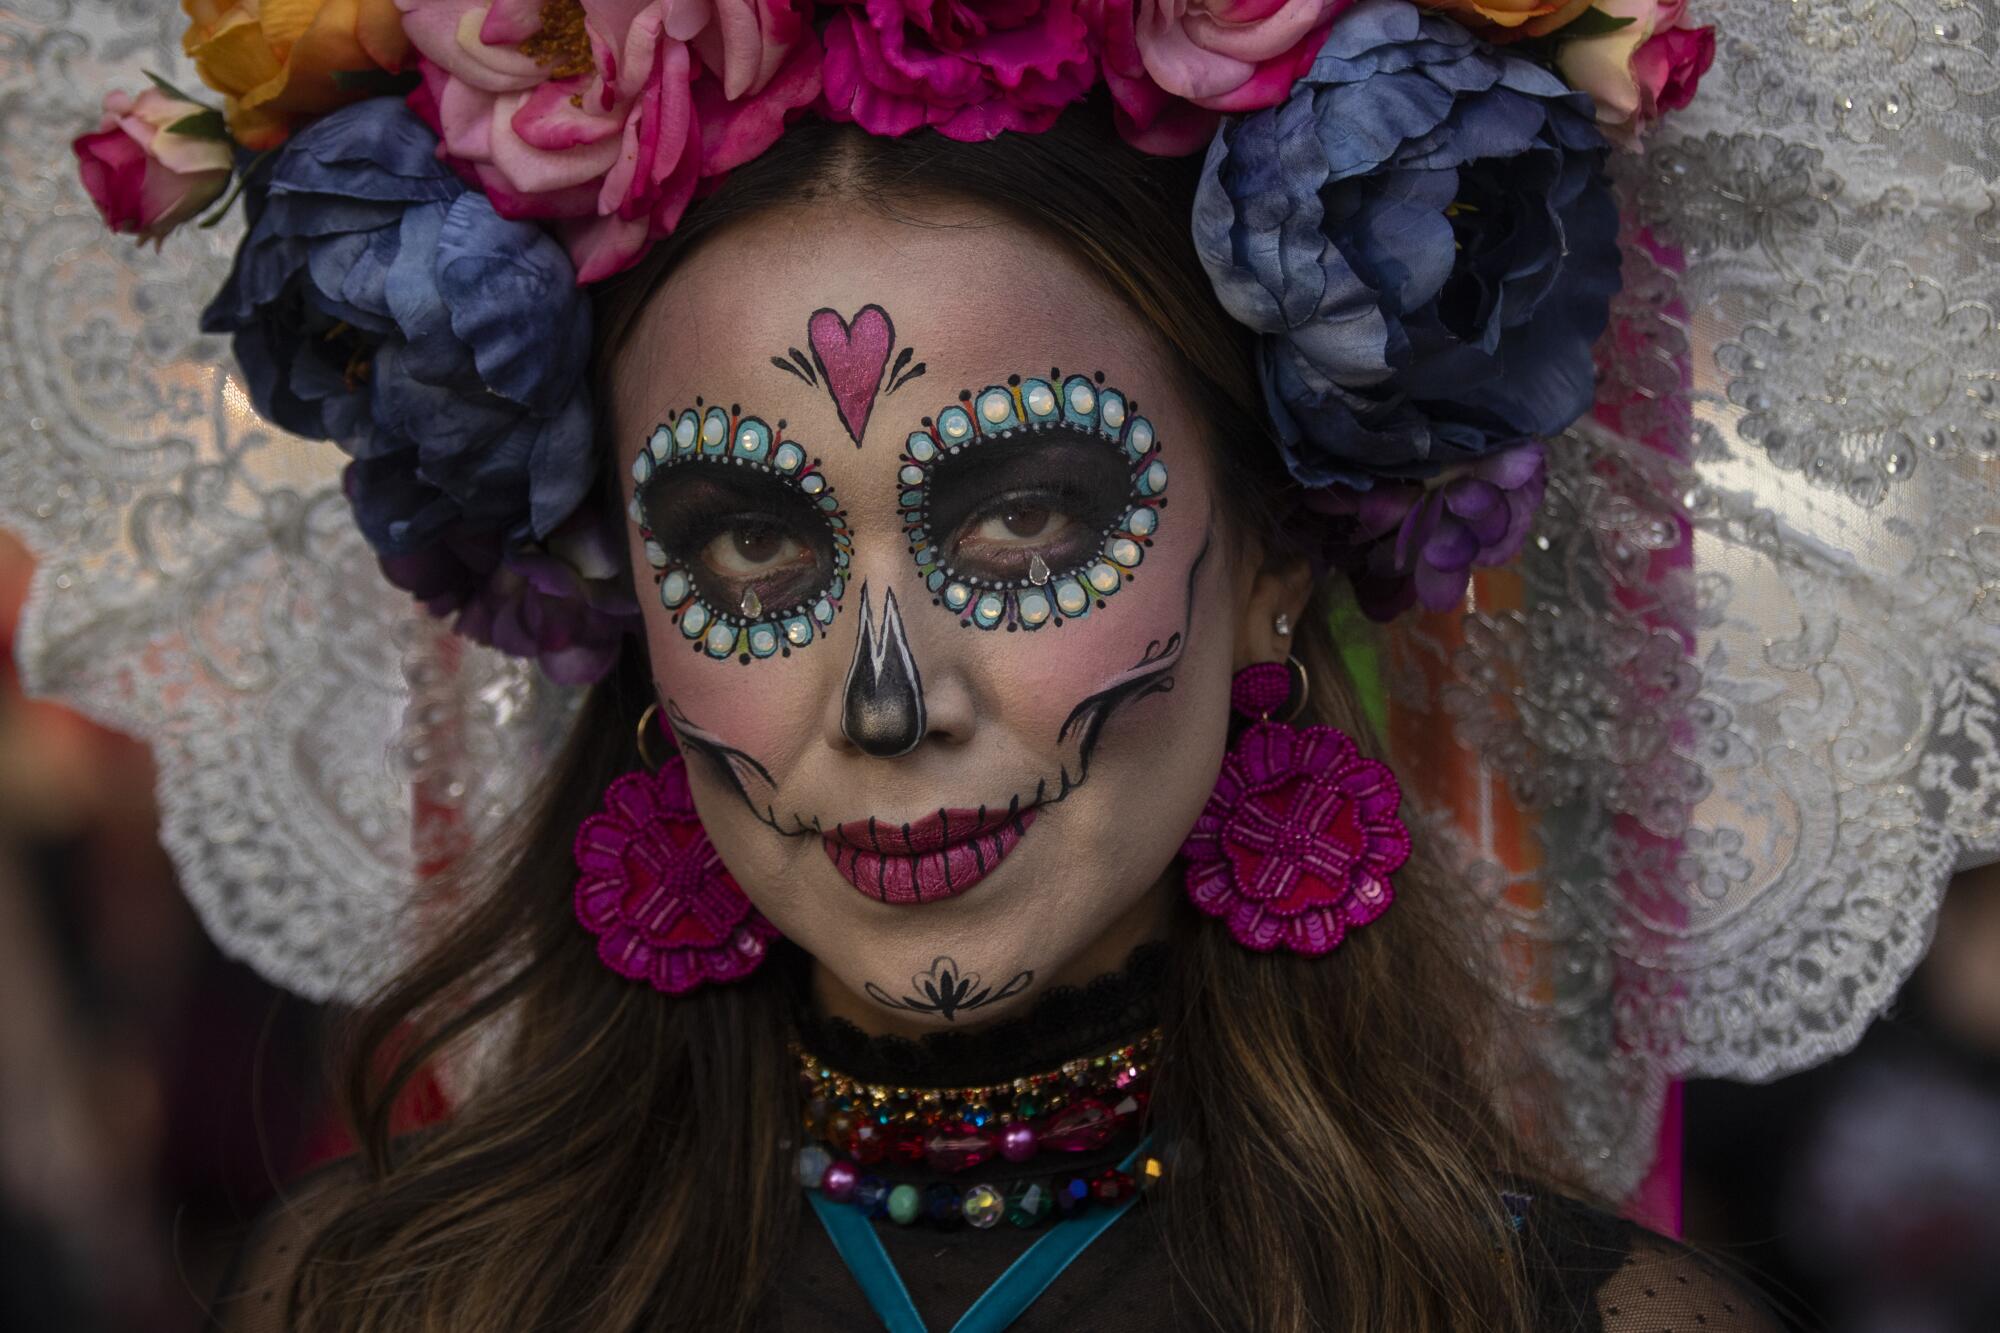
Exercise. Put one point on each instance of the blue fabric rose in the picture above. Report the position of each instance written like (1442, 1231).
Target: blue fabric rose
(378, 302)
(1424, 235)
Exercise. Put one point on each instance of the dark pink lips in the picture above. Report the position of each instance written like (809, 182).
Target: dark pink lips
(939, 856)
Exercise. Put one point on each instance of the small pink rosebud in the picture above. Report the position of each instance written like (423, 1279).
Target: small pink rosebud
(146, 177)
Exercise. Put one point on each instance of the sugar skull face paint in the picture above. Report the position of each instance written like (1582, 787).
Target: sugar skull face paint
(916, 790)
(746, 539)
(1030, 502)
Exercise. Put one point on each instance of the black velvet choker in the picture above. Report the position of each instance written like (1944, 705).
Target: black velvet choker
(1066, 1022)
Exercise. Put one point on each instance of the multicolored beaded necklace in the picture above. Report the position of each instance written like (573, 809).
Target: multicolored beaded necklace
(857, 1128)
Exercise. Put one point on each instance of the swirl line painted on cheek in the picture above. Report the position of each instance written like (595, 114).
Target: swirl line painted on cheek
(1152, 674)
(737, 768)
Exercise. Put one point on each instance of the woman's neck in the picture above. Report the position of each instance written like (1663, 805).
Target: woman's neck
(1145, 922)
(1108, 996)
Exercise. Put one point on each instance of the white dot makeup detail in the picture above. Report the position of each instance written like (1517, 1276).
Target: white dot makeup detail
(1031, 503)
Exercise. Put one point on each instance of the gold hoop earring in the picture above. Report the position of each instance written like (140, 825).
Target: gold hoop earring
(1302, 689)
(645, 719)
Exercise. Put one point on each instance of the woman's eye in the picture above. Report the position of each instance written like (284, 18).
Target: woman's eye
(747, 543)
(1021, 523)
(750, 549)
(1003, 541)
(1031, 502)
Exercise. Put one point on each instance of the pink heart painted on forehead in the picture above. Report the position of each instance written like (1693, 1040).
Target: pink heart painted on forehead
(851, 358)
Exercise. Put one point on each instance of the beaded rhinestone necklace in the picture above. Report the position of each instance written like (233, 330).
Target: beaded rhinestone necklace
(1081, 1106)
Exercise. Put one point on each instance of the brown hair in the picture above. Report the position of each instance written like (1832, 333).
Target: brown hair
(1337, 1155)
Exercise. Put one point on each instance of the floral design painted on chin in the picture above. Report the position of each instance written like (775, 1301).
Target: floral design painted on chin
(1108, 481)
(714, 480)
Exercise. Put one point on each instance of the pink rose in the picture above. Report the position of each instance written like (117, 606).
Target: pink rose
(1640, 71)
(1173, 66)
(605, 115)
(146, 177)
(1668, 68)
(972, 69)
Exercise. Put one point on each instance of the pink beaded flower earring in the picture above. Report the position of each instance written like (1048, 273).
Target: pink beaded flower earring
(1300, 836)
(654, 891)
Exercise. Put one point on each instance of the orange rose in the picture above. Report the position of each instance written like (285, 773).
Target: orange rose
(1510, 20)
(274, 61)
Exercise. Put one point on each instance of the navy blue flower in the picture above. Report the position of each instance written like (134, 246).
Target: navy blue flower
(379, 303)
(1424, 235)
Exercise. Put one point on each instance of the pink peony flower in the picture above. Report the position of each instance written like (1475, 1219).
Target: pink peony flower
(1642, 70)
(1175, 66)
(605, 115)
(145, 177)
(1298, 841)
(972, 69)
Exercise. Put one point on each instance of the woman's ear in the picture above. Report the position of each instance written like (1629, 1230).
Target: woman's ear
(1269, 614)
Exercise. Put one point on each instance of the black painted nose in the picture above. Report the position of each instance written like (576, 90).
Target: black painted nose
(884, 710)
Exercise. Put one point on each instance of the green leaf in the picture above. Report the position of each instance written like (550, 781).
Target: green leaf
(1592, 23)
(170, 90)
(236, 187)
(375, 82)
(203, 124)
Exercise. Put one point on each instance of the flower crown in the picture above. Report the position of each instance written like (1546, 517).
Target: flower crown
(1405, 201)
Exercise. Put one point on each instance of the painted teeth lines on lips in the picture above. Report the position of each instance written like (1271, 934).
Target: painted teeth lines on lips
(927, 860)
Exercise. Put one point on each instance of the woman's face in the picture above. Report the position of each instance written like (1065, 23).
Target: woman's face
(937, 598)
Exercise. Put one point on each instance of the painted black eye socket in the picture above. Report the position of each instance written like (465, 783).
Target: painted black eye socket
(748, 544)
(999, 508)
(753, 545)
(1031, 503)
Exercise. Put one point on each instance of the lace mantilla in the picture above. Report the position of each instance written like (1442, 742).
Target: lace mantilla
(1710, 750)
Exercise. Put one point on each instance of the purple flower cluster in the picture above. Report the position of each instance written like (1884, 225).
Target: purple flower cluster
(1404, 543)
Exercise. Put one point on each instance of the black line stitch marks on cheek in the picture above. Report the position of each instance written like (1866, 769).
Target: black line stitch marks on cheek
(947, 990)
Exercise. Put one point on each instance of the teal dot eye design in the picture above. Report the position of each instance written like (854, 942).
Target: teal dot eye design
(1073, 407)
(748, 464)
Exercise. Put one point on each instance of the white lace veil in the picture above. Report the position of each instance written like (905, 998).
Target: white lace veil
(1711, 749)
